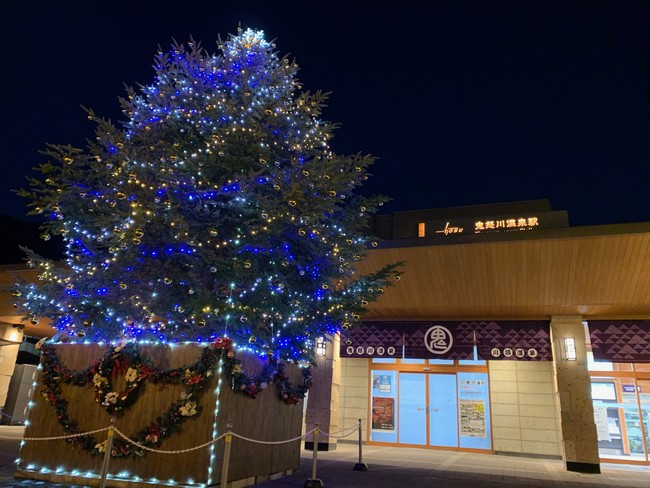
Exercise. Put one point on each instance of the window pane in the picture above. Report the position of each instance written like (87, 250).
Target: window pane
(383, 406)
(384, 360)
(644, 397)
(472, 362)
(445, 362)
(617, 418)
(412, 361)
(606, 365)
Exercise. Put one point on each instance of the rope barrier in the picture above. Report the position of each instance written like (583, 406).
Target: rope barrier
(179, 451)
(55, 438)
(352, 427)
(313, 482)
(272, 442)
(351, 430)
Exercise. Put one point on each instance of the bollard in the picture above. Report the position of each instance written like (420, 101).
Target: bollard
(360, 466)
(226, 456)
(314, 482)
(107, 453)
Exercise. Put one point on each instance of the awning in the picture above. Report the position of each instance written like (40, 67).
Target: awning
(514, 340)
(622, 341)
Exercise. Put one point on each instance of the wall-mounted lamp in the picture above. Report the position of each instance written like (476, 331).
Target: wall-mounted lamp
(321, 348)
(570, 349)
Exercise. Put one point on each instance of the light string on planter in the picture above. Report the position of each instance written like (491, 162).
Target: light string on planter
(126, 360)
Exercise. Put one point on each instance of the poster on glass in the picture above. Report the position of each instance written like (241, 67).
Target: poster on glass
(383, 414)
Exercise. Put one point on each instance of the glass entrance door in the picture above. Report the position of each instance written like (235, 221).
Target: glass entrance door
(446, 410)
(412, 408)
(443, 410)
(428, 405)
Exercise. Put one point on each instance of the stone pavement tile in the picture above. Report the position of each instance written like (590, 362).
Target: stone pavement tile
(413, 468)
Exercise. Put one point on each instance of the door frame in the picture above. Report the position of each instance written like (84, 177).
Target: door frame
(453, 367)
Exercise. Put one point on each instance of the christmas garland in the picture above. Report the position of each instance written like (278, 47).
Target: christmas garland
(126, 360)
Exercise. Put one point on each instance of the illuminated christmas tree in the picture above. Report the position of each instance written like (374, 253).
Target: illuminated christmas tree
(216, 209)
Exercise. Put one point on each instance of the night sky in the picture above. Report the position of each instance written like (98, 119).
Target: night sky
(463, 102)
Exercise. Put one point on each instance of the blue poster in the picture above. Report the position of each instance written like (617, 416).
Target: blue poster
(383, 406)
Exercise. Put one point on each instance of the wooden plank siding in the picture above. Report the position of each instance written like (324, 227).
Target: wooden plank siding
(594, 276)
(265, 418)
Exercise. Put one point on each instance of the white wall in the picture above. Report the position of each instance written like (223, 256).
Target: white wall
(524, 414)
(353, 397)
(8, 355)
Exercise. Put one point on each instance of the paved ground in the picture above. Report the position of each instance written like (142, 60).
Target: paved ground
(411, 468)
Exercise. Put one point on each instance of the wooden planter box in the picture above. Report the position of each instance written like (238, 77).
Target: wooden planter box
(265, 418)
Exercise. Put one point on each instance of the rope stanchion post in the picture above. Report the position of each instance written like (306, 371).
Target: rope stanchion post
(226, 456)
(360, 466)
(107, 453)
(314, 482)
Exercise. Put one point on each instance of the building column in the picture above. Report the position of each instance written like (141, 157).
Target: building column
(573, 395)
(8, 356)
(323, 398)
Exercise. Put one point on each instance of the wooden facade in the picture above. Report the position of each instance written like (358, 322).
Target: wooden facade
(595, 272)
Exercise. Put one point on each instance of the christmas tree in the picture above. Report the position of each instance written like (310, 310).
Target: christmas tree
(216, 209)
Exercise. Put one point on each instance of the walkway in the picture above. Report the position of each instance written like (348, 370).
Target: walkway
(409, 468)
(390, 467)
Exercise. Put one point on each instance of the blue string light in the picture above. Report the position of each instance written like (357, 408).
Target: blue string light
(219, 198)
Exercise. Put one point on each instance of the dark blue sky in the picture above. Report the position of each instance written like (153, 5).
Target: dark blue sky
(463, 102)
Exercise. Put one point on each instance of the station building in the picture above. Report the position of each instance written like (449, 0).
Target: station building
(509, 332)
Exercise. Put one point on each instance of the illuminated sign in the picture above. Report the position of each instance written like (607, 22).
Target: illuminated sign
(518, 223)
(486, 225)
(482, 226)
(448, 230)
